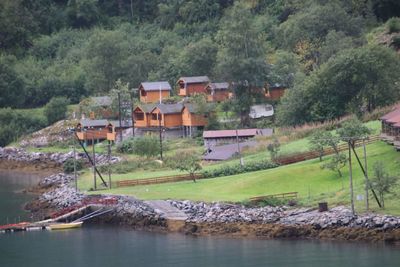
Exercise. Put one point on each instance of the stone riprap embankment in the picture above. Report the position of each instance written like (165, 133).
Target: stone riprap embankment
(336, 217)
(21, 155)
(125, 210)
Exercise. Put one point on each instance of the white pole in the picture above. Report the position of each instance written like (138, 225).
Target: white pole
(160, 95)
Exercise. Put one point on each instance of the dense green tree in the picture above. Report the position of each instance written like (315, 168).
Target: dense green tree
(355, 80)
(106, 52)
(17, 26)
(382, 182)
(11, 85)
(186, 161)
(56, 109)
(241, 56)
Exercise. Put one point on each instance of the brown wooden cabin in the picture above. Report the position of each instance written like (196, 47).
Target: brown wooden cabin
(275, 91)
(92, 130)
(141, 115)
(218, 92)
(149, 92)
(192, 85)
(191, 121)
(386, 125)
(169, 114)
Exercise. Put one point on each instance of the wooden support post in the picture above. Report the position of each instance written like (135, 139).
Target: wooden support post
(75, 176)
(94, 165)
(109, 164)
(351, 181)
(366, 177)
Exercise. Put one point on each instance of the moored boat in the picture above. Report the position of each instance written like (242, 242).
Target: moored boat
(62, 226)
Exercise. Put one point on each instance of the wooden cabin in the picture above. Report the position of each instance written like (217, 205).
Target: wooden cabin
(275, 91)
(192, 85)
(152, 92)
(92, 130)
(218, 92)
(191, 121)
(169, 114)
(220, 137)
(141, 115)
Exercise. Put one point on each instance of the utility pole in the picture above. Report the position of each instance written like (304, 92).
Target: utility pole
(132, 116)
(94, 164)
(238, 148)
(109, 163)
(119, 116)
(366, 177)
(351, 180)
(160, 130)
(75, 176)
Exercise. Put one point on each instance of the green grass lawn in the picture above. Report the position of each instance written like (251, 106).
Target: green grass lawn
(307, 178)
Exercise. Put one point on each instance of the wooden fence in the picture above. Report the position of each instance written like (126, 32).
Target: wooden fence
(159, 180)
(281, 195)
(315, 154)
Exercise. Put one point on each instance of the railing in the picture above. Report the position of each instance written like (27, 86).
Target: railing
(315, 154)
(159, 180)
(281, 195)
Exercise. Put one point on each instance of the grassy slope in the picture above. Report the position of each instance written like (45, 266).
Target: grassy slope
(307, 178)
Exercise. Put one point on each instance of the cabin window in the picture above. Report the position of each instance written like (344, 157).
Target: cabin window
(154, 117)
(181, 85)
(143, 93)
(139, 116)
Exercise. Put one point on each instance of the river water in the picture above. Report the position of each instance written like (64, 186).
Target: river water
(119, 246)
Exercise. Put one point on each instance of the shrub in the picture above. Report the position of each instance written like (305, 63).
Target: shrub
(143, 146)
(56, 109)
(396, 42)
(237, 169)
(126, 146)
(393, 25)
(68, 165)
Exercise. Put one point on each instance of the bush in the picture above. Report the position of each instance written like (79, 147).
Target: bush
(396, 42)
(393, 25)
(143, 146)
(130, 166)
(237, 169)
(68, 165)
(56, 109)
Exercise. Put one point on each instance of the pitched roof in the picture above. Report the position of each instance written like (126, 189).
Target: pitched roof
(147, 108)
(170, 108)
(126, 123)
(195, 79)
(155, 86)
(93, 123)
(240, 133)
(101, 100)
(391, 114)
(219, 86)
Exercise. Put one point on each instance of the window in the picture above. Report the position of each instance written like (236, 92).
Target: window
(143, 92)
(139, 116)
(154, 117)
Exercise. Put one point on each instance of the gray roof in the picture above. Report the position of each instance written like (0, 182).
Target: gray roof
(170, 108)
(219, 86)
(155, 86)
(101, 100)
(259, 111)
(124, 123)
(93, 123)
(195, 79)
(147, 108)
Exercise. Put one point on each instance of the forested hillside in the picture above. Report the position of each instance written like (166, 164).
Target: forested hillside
(328, 52)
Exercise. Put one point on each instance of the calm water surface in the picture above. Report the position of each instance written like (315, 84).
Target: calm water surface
(111, 246)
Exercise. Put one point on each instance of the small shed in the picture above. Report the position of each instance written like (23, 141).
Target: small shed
(217, 92)
(152, 92)
(220, 137)
(192, 85)
(88, 129)
(275, 91)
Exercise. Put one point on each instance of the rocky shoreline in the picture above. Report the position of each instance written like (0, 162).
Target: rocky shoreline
(226, 219)
(13, 154)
